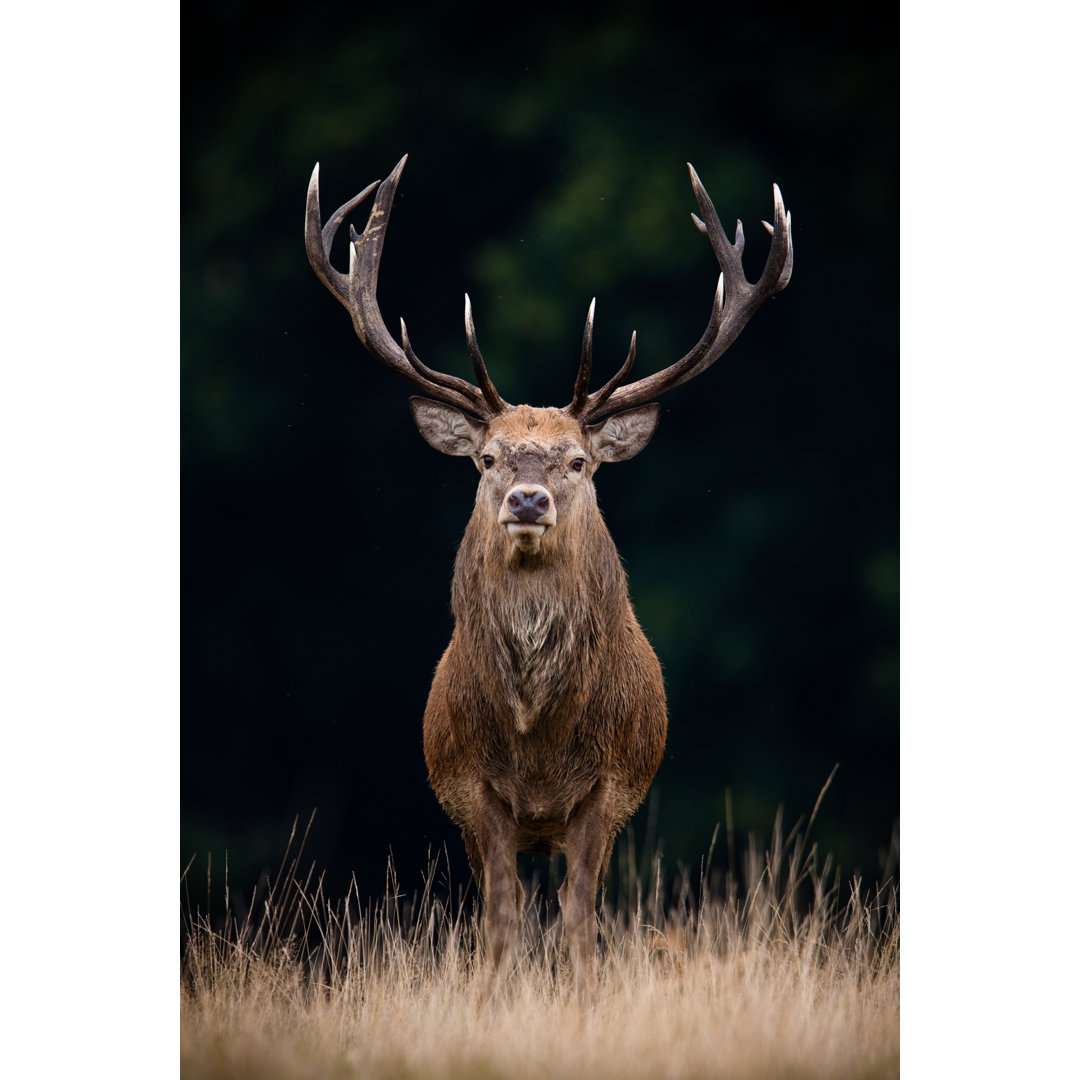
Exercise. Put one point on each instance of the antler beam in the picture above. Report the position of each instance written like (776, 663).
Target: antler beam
(356, 291)
(734, 304)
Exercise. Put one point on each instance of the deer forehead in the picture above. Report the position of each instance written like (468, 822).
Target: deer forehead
(548, 433)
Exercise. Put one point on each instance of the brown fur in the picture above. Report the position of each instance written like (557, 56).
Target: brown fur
(546, 719)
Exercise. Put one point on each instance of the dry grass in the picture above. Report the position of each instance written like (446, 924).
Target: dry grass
(793, 977)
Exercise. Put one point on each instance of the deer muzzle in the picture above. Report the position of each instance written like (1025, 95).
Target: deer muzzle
(527, 512)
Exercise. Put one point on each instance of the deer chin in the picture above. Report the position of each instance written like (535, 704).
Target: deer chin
(526, 535)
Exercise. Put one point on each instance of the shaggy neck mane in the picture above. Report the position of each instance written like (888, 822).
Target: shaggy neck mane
(539, 624)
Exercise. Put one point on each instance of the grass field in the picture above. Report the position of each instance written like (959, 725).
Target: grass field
(785, 973)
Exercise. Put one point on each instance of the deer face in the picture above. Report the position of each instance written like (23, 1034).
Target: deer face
(536, 465)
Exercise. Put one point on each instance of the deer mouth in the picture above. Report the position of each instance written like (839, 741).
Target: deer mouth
(518, 529)
(526, 535)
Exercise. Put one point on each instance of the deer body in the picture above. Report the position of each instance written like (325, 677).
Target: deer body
(546, 719)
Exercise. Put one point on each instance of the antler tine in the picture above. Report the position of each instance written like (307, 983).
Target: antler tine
(595, 401)
(585, 404)
(357, 292)
(319, 238)
(487, 387)
(430, 375)
(365, 254)
(727, 254)
(778, 265)
(734, 303)
(779, 214)
(581, 383)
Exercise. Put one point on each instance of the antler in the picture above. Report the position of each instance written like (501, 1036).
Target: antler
(735, 302)
(356, 291)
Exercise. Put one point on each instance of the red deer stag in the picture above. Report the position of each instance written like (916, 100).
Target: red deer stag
(546, 719)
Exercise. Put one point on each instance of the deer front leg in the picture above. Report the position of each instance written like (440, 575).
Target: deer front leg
(491, 844)
(590, 836)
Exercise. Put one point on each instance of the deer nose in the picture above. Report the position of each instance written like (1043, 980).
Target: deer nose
(528, 504)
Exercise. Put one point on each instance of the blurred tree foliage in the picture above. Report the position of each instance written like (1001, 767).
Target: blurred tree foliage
(547, 166)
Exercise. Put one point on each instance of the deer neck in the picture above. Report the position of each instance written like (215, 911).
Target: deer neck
(540, 624)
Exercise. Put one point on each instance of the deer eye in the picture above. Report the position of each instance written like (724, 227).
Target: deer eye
(577, 464)
(487, 461)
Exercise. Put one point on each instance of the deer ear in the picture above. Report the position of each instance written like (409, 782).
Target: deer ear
(447, 429)
(623, 435)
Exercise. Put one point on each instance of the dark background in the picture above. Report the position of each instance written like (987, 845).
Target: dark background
(547, 166)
